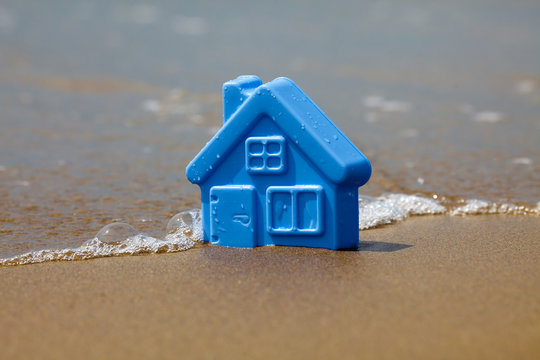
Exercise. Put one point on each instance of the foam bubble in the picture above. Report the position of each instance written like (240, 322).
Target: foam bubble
(490, 117)
(186, 223)
(151, 105)
(116, 233)
(380, 103)
(373, 101)
(395, 106)
(522, 161)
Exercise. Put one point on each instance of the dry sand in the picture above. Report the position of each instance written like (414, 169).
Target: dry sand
(431, 287)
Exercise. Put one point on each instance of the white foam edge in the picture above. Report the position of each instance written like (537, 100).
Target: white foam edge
(185, 237)
(481, 207)
(372, 212)
(389, 208)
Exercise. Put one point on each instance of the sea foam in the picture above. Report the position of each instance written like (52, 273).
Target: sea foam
(393, 207)
(184, 230)
(118, 239)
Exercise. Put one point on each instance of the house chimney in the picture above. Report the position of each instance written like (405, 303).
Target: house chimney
(236, 91)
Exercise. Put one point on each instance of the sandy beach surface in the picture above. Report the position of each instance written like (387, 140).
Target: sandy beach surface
(429, 288)
(104, 103)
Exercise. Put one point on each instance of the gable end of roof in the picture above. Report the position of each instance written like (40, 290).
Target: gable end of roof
(301, 120)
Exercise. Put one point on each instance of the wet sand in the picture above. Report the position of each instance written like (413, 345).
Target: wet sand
(430, 287)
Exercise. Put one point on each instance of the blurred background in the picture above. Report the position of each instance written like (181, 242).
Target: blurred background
(103, 103)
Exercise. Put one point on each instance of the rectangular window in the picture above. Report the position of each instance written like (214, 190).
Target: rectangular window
(266, 154)
(294, 210)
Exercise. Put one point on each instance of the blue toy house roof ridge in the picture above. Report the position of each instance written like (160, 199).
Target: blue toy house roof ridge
(300, 120)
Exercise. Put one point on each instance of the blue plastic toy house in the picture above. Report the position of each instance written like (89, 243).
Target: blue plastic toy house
(278, 172)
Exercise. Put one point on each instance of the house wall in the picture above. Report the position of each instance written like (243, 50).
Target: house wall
(299, 172)
(347, 233)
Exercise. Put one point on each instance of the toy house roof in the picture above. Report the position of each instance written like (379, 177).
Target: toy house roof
(246, 100)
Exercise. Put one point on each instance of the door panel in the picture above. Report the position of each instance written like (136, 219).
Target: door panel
(232, 216)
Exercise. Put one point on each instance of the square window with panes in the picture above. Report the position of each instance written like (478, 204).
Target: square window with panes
(266, 154)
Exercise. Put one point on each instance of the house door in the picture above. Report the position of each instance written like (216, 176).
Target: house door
(232, 216)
